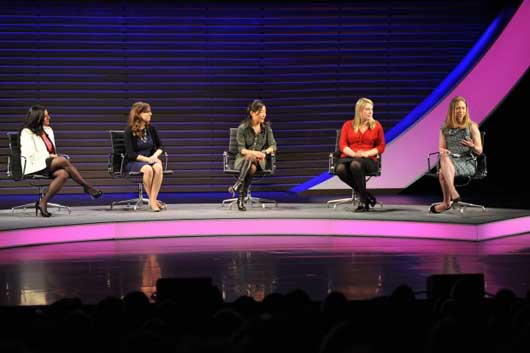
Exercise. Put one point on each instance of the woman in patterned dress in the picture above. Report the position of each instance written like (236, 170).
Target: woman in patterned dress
(460, 143)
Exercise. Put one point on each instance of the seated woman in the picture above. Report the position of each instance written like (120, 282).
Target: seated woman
(460, 143)
(255, 141)
(143, 147)
(37, 146)
(362, 140)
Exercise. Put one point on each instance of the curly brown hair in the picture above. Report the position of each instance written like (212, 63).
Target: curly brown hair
(136, 123)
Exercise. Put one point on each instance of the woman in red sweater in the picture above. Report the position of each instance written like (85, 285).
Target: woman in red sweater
(362, 140)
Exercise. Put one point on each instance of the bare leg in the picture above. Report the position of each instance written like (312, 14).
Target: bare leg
(148, 174)
(158, 176)
(59, 179)
(446, 178)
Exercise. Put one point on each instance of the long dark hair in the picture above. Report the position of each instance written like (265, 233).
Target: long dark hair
(255, 106)
(35, 119)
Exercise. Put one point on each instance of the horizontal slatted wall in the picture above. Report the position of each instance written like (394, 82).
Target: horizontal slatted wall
(200, 65)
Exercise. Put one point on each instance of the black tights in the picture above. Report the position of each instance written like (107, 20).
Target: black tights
(353, 173)
(61, 169)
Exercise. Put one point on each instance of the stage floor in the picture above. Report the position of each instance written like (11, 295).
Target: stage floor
(23, 228)
(257, 252)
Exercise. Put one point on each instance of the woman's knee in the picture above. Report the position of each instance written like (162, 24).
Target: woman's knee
(147, 170)
(61, 173)
(157, 168)
(355, 167)
(340, 169)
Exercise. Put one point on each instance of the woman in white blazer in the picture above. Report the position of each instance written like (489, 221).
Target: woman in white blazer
(39, 156)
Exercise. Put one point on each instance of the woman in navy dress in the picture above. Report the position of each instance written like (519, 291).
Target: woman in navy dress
(143, 149)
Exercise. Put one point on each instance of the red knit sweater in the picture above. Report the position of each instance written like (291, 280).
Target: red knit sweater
(359, 141)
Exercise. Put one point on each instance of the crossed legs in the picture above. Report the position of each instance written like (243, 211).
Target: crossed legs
(152, 179)
(446, 176)
(62, 169)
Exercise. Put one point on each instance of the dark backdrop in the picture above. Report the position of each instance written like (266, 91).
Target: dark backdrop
(200, 64)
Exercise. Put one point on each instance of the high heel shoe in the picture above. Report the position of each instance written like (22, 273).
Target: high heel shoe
(364, 206)
(371, 200)
(43, 211)
(456, 202)
(432, 209)
(94, 194)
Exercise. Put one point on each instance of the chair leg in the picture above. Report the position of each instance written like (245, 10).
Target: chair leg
(354, 199)
(230, 202)
(137, 203)
(258, 200)
(463, 205)
(31, 205)
(250, 200)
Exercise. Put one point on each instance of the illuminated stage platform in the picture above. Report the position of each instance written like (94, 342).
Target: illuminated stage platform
(208, 220)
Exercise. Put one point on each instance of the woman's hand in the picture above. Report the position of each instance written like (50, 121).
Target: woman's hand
(259, 155)
(468, 142)
(153, 160)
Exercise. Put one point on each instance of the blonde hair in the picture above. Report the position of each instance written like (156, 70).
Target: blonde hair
(136, 122)
(450, 119)
(359, 106)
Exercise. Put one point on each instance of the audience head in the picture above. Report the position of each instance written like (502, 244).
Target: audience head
(35, 119)
(457, 114)
(402, 295)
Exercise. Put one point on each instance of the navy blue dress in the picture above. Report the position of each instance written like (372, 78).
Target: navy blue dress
(144, 148)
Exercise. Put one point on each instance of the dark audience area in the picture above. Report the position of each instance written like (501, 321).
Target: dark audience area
(192, 317)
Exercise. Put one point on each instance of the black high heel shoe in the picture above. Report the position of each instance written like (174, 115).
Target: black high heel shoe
(42, 211)
(96, 194)
(371, 200)
(456, 202)
(364, 206)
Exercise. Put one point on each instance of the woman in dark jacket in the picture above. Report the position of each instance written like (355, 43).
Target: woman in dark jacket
(255, 141)
(143, 147)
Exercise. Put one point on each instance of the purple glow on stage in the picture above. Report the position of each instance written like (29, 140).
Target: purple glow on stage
(272, 227)
(509, 226)
(486, 85)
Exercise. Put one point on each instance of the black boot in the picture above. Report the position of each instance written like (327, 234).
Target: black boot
(236, 187)
(241, 201)
(371, 199)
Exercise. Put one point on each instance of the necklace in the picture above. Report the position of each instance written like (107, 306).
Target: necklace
(144, 136)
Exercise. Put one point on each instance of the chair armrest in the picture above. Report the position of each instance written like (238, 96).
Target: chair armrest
(429, 156)
(166, 158)
(272, 157)
(331, 163)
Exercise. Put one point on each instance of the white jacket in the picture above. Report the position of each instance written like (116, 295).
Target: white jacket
(33, 148)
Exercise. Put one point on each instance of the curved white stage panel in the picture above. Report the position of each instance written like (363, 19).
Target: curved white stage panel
(486, 85)
(208, 220)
